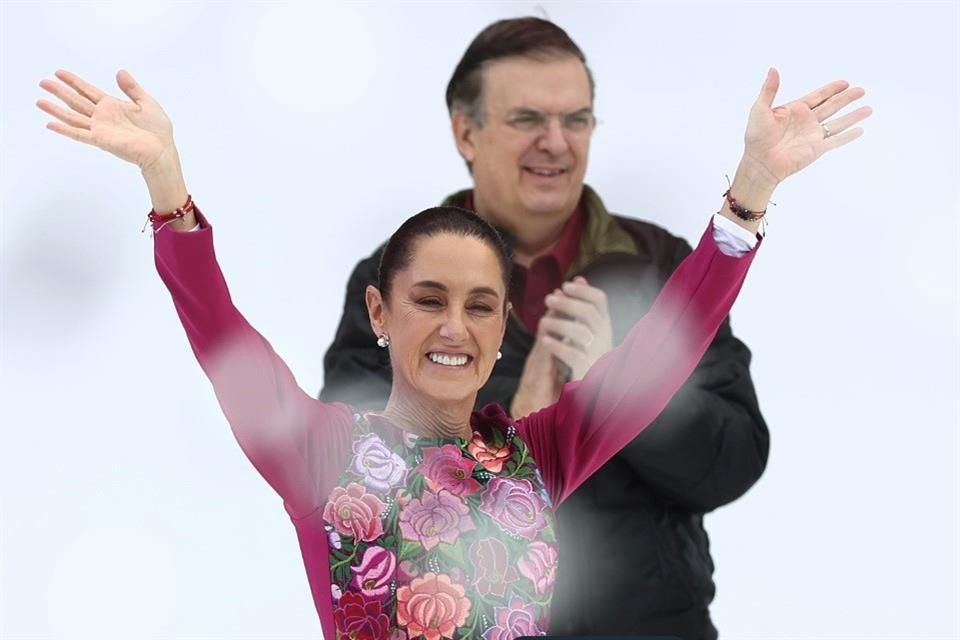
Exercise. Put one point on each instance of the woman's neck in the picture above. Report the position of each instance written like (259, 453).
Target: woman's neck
(432, 419)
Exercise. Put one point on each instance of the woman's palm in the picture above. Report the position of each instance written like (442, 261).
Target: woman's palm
(790, 137)
(133, 132)
(136, 130)
(784, 140)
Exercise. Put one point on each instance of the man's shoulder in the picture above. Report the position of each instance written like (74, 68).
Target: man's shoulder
(651, 241)
(365, 271)
(651, 238)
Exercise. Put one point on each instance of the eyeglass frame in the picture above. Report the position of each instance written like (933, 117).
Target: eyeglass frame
(528, 120)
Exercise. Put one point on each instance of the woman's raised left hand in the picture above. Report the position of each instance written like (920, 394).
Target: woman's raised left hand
(781, 141)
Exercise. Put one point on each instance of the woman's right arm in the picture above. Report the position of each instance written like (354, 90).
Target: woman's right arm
(297, 443)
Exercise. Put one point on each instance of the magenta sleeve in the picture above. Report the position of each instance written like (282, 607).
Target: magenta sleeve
(629, 386)
(297, 443)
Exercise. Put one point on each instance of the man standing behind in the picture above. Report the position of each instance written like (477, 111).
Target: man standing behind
(634, 555)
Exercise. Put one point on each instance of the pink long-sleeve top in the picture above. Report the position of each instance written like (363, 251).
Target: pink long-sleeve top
(405, 536)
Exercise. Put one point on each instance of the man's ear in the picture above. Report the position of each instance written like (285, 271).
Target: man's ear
(464, 132)
(376, 310)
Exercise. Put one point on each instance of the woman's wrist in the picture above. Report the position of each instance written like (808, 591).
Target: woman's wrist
(168, 190)
(752, 185)
(751, 190)
(164, 179)
(751, 225)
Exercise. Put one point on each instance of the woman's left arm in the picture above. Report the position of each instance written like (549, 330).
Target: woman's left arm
(627, 388)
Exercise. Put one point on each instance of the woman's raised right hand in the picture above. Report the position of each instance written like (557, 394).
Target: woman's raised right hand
(137, 130)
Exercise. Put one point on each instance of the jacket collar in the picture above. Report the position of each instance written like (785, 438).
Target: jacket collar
(601, 231)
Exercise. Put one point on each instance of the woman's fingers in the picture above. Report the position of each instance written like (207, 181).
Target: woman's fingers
(71, 118)
(72, 99)
(768, 92)
(843, 123)
(838, 102)
(839, 140)
(816, 98)
(81, 86)
(80, 135)
(131, 87)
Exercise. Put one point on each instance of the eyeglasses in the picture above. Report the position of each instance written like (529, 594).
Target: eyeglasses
(530, 120)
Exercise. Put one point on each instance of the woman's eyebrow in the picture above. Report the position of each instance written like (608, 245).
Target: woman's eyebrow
(433, 284)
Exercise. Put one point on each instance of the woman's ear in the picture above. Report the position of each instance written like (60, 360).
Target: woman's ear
(506, 318)
(376, 310)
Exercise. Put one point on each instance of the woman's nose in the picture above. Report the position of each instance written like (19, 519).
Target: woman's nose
(453, 328)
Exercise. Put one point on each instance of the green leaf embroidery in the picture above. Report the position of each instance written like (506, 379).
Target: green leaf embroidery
(409, 550)
(454, 552)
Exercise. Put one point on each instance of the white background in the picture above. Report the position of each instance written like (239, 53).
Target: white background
(308, 132)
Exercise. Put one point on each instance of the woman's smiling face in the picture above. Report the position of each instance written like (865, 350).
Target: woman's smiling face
(445, 315)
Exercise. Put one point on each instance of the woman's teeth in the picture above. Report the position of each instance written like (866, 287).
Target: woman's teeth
(450, 361)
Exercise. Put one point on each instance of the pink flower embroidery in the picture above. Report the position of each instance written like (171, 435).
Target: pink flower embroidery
(380, 468)
(490, 456)
(539, 566)
(446, 468)
(432, 606)
(515, 620)
(377, 569)
(435, 518)
(494, 573)
(515, 506)
(354, 512)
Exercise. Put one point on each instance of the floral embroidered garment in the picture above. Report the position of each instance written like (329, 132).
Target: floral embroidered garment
(405, 537)
(440, 537)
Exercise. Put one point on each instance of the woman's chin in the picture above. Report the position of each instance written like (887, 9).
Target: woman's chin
(449, 390)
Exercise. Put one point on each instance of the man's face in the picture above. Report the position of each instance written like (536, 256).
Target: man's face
(530, 156)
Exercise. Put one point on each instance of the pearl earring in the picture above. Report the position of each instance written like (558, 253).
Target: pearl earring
(383, 341)
(499, 355)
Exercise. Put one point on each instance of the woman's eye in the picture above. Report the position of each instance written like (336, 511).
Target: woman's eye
(429, 302)
(482, 308)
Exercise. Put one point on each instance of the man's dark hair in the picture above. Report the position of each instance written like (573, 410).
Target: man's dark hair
(517, 37)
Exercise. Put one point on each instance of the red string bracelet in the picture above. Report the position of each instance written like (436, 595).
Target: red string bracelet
(163, 219)
(742, 212)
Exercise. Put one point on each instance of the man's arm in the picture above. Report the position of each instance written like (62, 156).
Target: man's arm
(625, 391)
(710, 444)
(355, 369)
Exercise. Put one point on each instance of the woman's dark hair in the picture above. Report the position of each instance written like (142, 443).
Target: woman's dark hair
(431, 222)
(516, 37)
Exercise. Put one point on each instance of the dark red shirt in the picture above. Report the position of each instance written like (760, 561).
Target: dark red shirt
(530, 285)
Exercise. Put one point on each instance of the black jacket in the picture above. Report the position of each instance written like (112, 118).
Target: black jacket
(634, 556)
